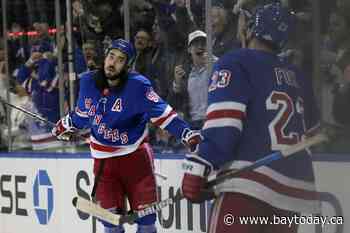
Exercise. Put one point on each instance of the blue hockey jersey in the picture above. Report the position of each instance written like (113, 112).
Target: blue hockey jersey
(258, 104)
(118, 119)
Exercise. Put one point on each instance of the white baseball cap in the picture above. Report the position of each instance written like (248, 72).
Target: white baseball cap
(196, 34)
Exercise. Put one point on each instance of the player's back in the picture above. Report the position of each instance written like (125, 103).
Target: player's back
(276, 110)
(259, 105)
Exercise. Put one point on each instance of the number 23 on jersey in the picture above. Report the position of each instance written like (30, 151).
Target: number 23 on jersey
(283, 104)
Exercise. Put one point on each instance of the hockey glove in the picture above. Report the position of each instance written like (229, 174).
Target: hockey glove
(194, 180)
(191, 139)
(64, 129)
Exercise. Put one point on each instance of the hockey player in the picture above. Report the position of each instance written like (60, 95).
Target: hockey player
(117, 105)
(257, 104)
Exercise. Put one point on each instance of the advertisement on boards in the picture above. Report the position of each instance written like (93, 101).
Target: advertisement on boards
(36, 191)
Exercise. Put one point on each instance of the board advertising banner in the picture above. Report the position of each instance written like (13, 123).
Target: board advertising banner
(36, 192)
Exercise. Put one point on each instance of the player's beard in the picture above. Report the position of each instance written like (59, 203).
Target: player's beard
(111, 73)
(115, 80)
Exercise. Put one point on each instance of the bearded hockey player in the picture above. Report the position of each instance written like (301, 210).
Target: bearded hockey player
(117, 105)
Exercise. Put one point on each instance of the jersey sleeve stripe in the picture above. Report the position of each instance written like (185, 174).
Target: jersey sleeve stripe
(223, 122)
(166, 112)
(235, 114)
(162, 120)
(226, 105)
(168, 119)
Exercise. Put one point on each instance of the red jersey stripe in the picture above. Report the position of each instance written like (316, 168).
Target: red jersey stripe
(103, 148)
(161, 120)
(226, 114)
(279, 187)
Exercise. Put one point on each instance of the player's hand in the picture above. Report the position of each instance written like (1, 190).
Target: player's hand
(191, 139)
(194, 180)
(64, 129)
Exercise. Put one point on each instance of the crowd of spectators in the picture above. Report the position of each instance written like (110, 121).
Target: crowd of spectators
(335, 75)
(170, 40)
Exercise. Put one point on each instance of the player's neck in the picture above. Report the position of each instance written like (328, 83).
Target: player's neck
(258, 45)
(113, 83)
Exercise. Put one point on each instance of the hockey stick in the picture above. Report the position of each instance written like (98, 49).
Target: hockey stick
(38, 117)
(272, 157)
(97, 211)
(34, 115)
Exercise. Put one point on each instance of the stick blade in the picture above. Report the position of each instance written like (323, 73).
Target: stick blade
(95, 210)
